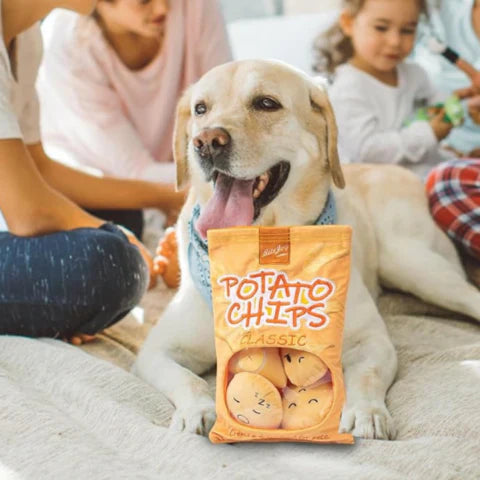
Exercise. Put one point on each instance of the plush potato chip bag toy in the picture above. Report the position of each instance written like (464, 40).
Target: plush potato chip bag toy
(279, 302)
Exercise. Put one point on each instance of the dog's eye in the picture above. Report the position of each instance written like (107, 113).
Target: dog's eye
(266, 104)
(200, 109)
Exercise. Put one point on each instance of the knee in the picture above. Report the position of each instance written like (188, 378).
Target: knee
(117, 271)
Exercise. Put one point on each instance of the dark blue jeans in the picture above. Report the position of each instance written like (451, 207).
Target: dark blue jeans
(80, 281)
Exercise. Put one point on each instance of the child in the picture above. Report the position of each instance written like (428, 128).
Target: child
(377, 92)
(63, 271)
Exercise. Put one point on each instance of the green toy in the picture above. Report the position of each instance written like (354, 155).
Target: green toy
(453, 107)
(453, 111)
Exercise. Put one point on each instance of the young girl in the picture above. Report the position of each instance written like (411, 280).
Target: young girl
(375, 91)
(63, 271)
(110, 82)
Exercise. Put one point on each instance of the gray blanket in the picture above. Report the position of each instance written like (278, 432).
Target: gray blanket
(70, 413)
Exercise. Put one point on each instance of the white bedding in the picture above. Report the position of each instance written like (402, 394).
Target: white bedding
(67, 414)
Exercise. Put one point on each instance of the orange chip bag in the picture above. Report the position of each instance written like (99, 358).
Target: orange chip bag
(279, 302)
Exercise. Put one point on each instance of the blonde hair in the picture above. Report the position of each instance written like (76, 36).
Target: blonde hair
(333, 48)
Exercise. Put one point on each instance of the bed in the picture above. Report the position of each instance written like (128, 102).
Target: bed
(78, 413)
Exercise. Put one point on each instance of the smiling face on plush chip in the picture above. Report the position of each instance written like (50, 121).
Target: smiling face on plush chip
(259, 136)
(302, 368)
(305, 407)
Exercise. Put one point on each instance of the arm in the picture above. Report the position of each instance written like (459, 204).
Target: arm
(104, 192)
(364, 142)
(30, 206)
(453, 57)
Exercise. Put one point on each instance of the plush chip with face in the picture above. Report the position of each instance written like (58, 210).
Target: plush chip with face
(264, 361)
(305, 407)
(302, 368)
(254, 401)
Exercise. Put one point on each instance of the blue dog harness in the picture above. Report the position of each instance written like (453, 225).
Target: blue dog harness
(198, 260)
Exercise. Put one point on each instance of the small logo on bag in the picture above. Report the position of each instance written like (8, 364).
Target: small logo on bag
(274, 246)
(275, 252)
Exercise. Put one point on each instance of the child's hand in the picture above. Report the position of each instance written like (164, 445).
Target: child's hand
(440, 127)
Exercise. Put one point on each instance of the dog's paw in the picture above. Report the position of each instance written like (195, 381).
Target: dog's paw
(368, 421)
(194, 419)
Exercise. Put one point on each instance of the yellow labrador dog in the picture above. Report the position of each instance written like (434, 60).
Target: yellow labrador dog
(257, 142)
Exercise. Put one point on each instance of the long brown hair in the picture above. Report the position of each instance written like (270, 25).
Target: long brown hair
(333, 48)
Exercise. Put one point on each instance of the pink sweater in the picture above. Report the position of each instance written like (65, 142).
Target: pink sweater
(98, 113)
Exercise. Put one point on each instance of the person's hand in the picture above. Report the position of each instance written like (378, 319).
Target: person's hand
(144, 252)
(440, 127)
(466, 92)
(166, 259)
(475, 78)
(456, 152)
(473, 104)
(172, 206)
(147, 257)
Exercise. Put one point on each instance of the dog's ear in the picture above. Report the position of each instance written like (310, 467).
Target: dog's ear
(321, 106)
(180, 139)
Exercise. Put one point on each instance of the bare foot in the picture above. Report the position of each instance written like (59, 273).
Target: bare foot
(79, 339)
(165, 262)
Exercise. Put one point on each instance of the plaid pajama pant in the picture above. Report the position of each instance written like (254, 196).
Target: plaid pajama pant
(453, 190)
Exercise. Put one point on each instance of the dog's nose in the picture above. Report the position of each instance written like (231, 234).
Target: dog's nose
(212, 142)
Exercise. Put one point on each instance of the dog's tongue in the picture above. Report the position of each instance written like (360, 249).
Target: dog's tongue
(230, 206)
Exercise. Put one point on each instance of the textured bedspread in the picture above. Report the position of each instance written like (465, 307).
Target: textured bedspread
(71, 413)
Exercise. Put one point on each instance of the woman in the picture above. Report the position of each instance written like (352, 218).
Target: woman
(110, 83)
(63, 272)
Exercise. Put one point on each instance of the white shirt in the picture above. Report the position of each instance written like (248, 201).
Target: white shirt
(371, 115)
(97, 112)
(19, 108)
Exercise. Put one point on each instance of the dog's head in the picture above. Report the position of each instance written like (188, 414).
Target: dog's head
(258, 142)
